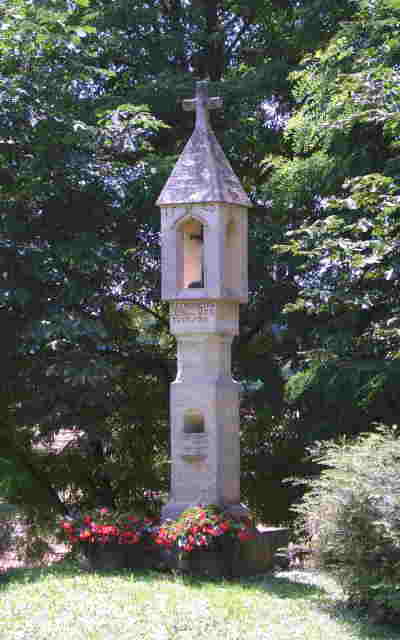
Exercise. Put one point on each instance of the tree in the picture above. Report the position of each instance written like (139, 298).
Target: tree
(348, 122)
(66, 328)
(90, 129)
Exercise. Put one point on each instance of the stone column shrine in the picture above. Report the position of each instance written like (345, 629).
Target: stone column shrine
(204, 278)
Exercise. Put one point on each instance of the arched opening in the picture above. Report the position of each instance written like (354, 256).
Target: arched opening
(193, 422)
(192, 255)
(232, 258)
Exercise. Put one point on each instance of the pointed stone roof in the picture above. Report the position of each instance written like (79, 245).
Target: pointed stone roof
(203, 173)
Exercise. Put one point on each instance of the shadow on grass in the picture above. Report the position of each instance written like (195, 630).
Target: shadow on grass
(358, 619)
(72, 567)
(67, 568)
(26, 575)
(323, 600)
(275, 586)
(280, 587)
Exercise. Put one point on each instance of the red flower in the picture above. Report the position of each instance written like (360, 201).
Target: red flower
(130, 537)
(132, 518)
(245, 535)
(84, 535)
(104, 510)
(107, 530)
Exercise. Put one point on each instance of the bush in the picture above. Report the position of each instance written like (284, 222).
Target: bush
(351, 513)
(6, 537)
(7, 525)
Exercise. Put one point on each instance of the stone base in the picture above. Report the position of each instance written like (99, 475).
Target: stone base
(231, 560)
(257, 555)
(113, 556)
(104, 557)
(234, 559)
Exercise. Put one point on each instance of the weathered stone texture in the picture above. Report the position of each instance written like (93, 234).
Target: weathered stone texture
(204, 277)
(203, 173)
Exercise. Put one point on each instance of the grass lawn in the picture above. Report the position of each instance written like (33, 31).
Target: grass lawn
(62, 602)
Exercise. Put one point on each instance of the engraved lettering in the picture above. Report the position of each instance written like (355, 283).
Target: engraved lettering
(194, 447)
(191, 312)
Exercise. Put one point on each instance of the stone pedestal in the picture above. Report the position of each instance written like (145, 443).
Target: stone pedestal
(205, 450)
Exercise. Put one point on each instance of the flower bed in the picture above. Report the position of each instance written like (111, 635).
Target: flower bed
(114, 541)
(111, 540)
(104, 527)
(203, 528)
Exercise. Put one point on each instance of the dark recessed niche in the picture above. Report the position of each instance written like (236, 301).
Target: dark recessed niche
(190, 260)
(193, 422)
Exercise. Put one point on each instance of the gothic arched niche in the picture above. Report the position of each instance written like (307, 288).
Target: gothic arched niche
(232, 258)
(190, 261)
(193, 421)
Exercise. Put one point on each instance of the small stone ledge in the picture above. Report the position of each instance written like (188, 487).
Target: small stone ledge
(257, 555)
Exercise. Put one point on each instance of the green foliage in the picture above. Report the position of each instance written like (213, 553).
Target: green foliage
(345, 239)
(88, 133)
(66, 331)
(351, 513)
(89, 130)
(7, 529)
(6, 537)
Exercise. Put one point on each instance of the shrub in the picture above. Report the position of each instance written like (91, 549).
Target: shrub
(5, 536)
(351, 512)
(7, 527)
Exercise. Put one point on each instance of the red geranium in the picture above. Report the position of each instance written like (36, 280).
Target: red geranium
(104, 526)
(200, 527)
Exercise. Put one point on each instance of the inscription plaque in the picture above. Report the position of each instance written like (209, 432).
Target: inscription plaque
(194, 446)
(192, 311)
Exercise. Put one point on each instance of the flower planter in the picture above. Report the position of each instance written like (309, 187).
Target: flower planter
(202, 562)
(142, 556)
(215, 563)
(114, 541)
(105, 557)
(114, 556)
(204, 540)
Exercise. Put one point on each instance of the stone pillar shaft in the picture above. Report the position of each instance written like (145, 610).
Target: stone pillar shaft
(205, 450)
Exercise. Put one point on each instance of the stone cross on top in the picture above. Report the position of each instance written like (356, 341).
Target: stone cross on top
(201, 104)
(202, 173)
